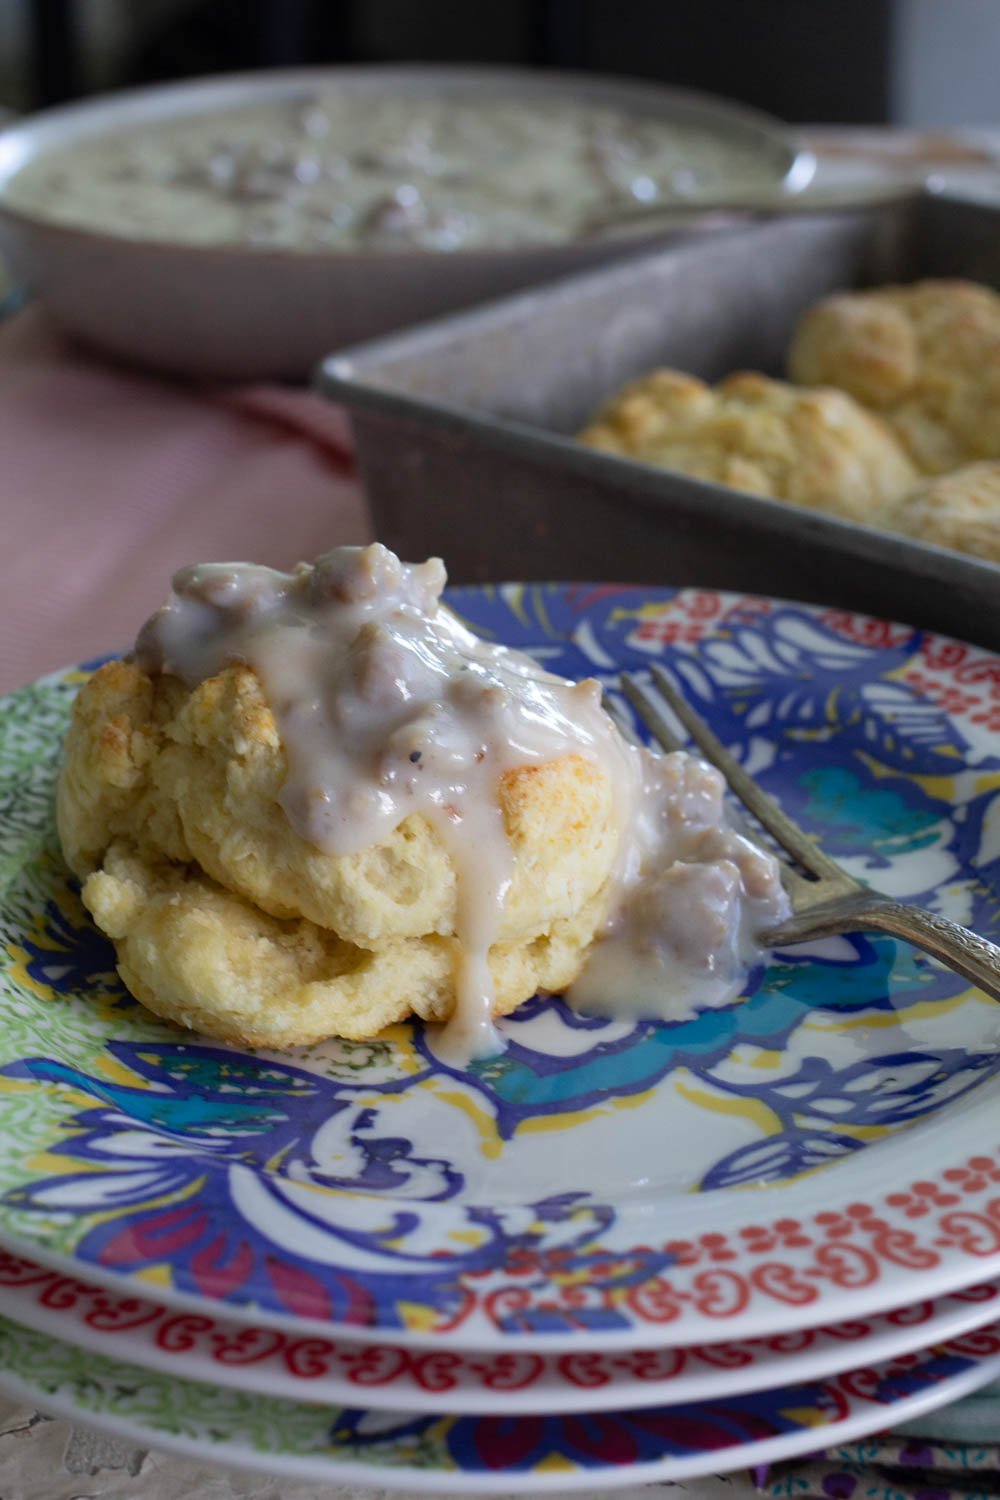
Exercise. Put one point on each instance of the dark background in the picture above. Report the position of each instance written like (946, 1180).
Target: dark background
(799, 59)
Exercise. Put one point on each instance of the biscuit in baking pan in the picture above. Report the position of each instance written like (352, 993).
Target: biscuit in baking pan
(926, 357)
(960, 510)
(815, 448)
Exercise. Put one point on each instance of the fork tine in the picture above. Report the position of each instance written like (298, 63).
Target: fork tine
(668, 740)
(796, 885)
(833, 901)
(767, 812)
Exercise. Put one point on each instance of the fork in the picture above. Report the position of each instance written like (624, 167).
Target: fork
(825, 898)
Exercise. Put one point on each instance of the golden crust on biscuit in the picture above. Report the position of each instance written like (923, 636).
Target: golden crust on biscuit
(959, 510)
(926, 357)
(226, 919)
(818, 449)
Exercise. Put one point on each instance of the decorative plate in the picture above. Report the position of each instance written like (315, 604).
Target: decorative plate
(442, 1453)
(193, 1346)
(825, 1149)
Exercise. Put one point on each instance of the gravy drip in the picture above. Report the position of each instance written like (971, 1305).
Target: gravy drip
(387, 705)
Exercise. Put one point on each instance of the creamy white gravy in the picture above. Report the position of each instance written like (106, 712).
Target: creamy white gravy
(692, 896)
(387, 705)
(348, 171)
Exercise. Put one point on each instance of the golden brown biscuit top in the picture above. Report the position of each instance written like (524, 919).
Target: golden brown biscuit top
(816, 448)
(385, 703)
(925, 356)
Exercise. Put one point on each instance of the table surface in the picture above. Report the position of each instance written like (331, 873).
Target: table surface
(46, 1459)
(52, 1459)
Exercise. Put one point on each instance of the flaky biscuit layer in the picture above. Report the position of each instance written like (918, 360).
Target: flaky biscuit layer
(195, 953)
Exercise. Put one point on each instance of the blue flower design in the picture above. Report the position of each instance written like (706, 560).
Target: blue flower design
(208, 1163)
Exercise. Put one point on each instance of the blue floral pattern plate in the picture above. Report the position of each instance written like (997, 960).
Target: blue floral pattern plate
(822, 1149)
(496, 1452)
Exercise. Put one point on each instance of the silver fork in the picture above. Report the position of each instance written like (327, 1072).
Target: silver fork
(825, 898)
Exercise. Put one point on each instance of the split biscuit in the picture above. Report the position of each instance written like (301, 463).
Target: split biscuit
(227, 920)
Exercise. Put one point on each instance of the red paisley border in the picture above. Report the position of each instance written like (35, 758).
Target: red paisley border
(783, 1263)
(719, 1276)
(372, 1365)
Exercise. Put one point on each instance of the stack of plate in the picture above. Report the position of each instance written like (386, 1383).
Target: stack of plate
(619, 1251)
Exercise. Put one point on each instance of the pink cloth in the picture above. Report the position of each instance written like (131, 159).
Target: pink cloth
(111, 480)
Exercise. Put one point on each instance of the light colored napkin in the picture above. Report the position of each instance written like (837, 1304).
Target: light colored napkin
(112, 479)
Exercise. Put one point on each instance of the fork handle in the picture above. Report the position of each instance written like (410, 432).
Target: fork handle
(974, 957)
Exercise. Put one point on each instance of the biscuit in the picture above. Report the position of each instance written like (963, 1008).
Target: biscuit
(818, 449)
(925, 357)
(959, 510)
(227, 920)
(195, 953)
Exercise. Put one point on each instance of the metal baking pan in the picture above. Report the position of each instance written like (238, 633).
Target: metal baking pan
(463, 426)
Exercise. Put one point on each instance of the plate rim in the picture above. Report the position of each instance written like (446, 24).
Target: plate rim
(880, 1344)
(867, 1419)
